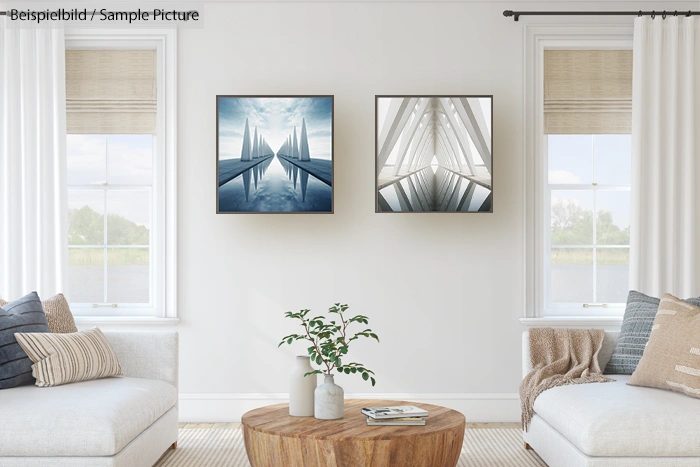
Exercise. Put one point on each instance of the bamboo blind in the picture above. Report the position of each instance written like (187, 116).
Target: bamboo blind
(587, 91)
(111, 91)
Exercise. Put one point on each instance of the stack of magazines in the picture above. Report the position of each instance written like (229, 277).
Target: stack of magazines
(402, 415)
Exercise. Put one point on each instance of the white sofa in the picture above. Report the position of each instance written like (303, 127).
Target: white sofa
(613, 424)
(127, 421)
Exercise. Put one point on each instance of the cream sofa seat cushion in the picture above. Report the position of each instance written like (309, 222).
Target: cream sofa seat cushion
(90, 418)
(614, 419)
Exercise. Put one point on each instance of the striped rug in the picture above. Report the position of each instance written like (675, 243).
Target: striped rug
(223, 447)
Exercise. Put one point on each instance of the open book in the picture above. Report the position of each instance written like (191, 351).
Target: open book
(400, 411)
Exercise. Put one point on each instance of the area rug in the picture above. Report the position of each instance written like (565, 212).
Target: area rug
(223, 447)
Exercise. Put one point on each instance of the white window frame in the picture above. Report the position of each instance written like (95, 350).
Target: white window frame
(539, 38)
(163, 245)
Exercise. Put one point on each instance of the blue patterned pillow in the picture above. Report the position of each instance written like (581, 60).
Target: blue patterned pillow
(634, 335)
(23, 315)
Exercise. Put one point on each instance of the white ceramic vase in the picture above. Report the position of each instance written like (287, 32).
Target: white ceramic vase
(329, 401)
(301, 388)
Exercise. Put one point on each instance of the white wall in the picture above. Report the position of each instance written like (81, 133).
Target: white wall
(443, 291)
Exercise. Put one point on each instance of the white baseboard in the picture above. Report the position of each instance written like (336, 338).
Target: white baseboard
(229, 407)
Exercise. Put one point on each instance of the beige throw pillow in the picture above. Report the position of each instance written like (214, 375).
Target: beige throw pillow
(58, 314)
(68, 358)
(671, 358)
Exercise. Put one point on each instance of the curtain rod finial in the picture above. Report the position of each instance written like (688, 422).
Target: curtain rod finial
(509, 13)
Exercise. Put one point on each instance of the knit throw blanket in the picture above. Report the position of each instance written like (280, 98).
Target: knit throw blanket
(560, 357)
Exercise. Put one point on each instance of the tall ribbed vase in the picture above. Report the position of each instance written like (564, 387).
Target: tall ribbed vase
(329, 401)
(301, 388)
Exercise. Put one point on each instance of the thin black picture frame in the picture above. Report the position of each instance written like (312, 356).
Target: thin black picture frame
(376, 150)
(274, 96)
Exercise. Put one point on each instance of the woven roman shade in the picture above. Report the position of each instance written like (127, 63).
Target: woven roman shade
(111, 91)
(587, 91)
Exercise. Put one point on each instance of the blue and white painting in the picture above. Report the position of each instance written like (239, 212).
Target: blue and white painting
(274, 154)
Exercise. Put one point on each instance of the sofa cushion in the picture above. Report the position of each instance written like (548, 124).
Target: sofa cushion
(636, 326)
(58, 313)
(672, 356)
(614, 419)
(69, 357)
(22, 315)
(90, 418)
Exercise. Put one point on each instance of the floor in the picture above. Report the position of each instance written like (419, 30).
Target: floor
(236, 425)
(222, 445)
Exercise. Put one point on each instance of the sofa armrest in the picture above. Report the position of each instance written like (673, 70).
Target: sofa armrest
(150, 355)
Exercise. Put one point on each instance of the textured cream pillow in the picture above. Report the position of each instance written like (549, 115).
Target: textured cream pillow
(68, 358)
(671, 359)
(57, 312)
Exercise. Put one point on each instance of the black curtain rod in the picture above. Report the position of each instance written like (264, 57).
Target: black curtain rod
(517, 14)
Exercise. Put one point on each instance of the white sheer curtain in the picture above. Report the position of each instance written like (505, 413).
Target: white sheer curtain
(665, 239)
(33, 233)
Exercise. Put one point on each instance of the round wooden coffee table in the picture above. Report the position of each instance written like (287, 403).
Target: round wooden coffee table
(274, 439)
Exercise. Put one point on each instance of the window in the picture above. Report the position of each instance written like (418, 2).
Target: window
(587, 148)
(578, 94)
(110, 219)
(588, 193)
(120, 174)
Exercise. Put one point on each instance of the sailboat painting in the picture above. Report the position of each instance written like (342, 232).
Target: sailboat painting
(274, 154)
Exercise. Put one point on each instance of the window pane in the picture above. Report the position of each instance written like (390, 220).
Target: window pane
(612, 275)
(128, 275)
(85, 275)
(571, 275)
(130, 160)
(613, 159)
(613, 219)
(570, 159)
(572, 217)
(129, 217)
(85, 217)
(85, 159)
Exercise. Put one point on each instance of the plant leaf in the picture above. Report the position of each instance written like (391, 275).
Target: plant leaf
(365, 376)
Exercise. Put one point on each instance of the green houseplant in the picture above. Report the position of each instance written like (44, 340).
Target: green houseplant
(330, 341)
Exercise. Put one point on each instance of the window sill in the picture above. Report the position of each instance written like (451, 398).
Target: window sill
(84, 321)
(609, 323)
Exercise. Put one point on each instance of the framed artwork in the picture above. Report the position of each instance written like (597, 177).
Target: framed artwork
(274, 154)
(434, 153)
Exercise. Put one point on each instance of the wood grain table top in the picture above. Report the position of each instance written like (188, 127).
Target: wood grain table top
(275, 419)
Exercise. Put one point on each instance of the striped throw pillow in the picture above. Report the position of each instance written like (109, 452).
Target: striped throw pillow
(58, 313)
(68, 358)
(671, 359)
